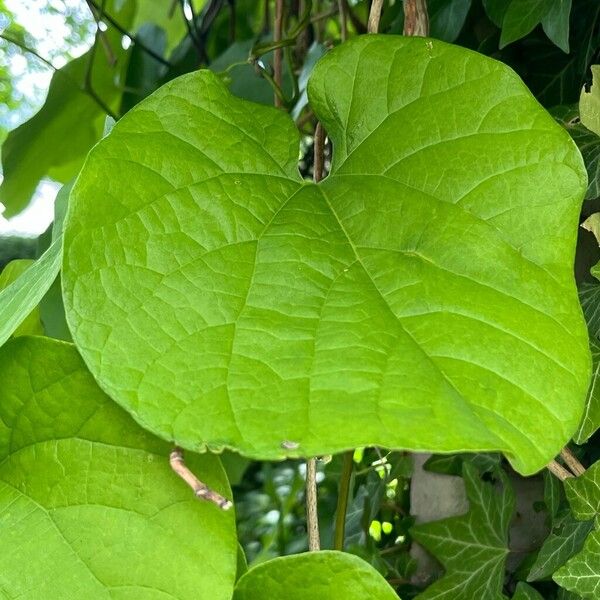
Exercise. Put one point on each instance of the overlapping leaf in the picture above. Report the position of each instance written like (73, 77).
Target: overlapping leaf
(89, 507)
(472, 547)
(426, 281)
(325, 575)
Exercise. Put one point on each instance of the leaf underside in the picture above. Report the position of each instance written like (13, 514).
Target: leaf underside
(426, 282)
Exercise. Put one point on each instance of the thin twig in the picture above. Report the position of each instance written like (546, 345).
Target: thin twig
(29, 50)
(312, 515)
(342, 501)
(416, 19)
(278, 54)
(572, 462)
(87, 81)
(558, 470)
(319, 153)
(343, 20)
(106, 17)
(374, 16)
(201, 490)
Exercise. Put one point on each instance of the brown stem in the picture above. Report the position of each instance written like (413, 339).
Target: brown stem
(416, 19)
(319, 153)
(572, 462)
(278, 54)
(201, 490)
(558, 470)
(312, 516)
(375, 16)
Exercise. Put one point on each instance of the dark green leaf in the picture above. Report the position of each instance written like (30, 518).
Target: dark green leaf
(556, 23)
(472, 547)
(520, 18)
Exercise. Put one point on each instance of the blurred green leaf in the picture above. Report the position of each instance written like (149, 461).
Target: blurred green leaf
(520, 18)
(589, 103)
(526, 592)
(54, 142)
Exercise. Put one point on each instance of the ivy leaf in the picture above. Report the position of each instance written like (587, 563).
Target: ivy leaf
(591, 415)
(556, 23)
(526, 592)
(226, 302)
(54, 141)
(89, 507)
(23, 295)
(589, 103)
(472, 547)
(520, 18)
(566, 539)
(325, 575)
(582, 573)
(583, 493)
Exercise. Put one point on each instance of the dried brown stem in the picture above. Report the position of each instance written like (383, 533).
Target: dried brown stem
(416, 19)
(312, 516)
(201, 490)
(343, 20)
(375, 16)
(572, 462)
(558, 470)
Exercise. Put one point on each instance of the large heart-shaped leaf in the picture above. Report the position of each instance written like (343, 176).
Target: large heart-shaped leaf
(421, 297)
(89, 507)
(323, 575)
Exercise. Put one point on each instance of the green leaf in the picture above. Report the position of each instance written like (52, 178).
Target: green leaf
(526, 592)
(89, 507)
(566, 539)
(583, 493)
(31, 324)
(22, 296)
(582, 573)
(447, 17)
(520, 18)
(589, 103)
(472, 547)
(556, 23)
(589, 296)
(325, 575)
(590, 421)
(55, 141)
(226, 302)
(495, 10)
(451, 464)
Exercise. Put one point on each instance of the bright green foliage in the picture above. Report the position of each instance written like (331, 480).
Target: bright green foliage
(526, 592)
(224, 301)
(583, 493)
(55, 141)
(582, 573)
(589, 103)
(89, 507)
(324, 575)
(472, 547)
(22, 296)
(31, 325)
